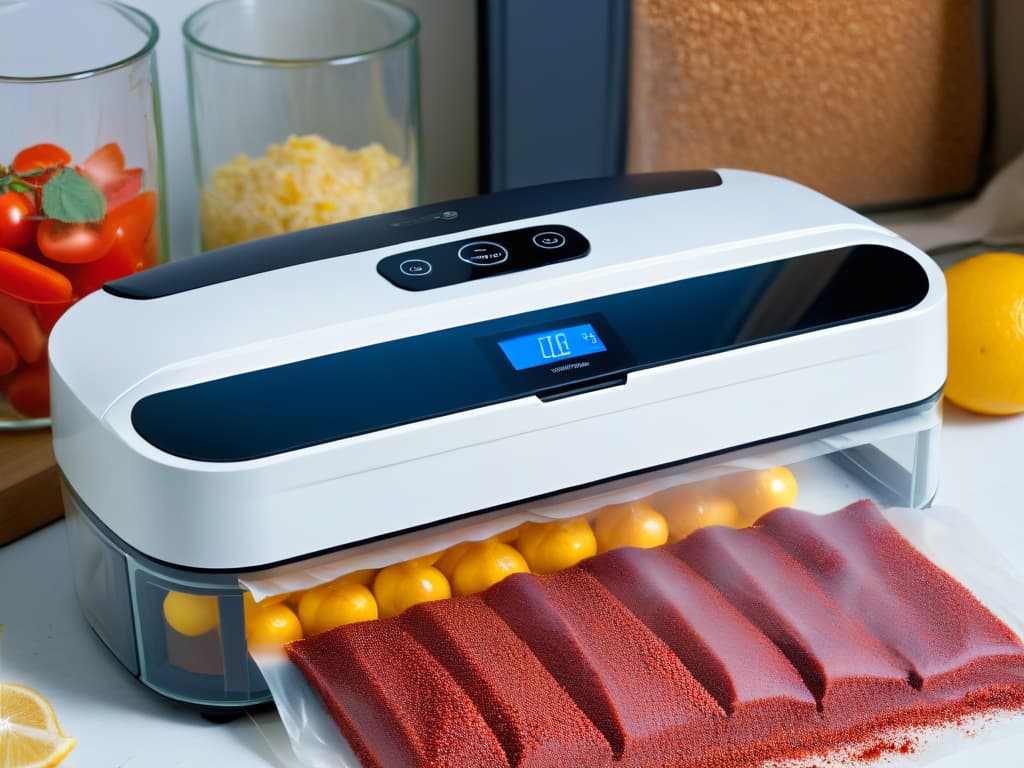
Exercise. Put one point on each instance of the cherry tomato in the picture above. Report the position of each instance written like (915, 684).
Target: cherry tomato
(40, 156)
(75, 243)
(19, 324)
(133, 221)
(17, 229)
(105, 168)
(29, 391)
(31, 281)
(8, 356)
(118, 262)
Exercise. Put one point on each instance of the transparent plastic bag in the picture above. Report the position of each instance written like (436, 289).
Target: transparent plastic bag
(944, 535)
(313, 572)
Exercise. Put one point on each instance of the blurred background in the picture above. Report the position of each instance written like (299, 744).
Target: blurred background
(880, 104)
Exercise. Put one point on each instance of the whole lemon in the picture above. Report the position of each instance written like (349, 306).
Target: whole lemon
(986, 333)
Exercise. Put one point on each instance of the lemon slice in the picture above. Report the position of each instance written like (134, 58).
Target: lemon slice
(22, 747)
(30, 736)
(23, 706)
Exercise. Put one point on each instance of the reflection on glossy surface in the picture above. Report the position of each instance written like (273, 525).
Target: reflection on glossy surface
(332, 397)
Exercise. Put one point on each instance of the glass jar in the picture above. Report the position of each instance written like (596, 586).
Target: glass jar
(81, 188)
(303, 113)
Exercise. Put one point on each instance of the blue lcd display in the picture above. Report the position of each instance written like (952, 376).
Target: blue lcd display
(544, 347)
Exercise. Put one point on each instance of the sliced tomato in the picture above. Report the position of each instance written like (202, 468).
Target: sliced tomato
(30, 281)
(17, 228)
(29, 391)
(108, 158)
(120, 261)
(40, 156)
(123, 189)
(105, 168)
(133, 221)
(75, 243)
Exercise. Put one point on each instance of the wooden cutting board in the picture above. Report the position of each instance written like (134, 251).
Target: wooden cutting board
(29, 488)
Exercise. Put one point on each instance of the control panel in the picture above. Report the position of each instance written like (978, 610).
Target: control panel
(473, 259)
(554, 352)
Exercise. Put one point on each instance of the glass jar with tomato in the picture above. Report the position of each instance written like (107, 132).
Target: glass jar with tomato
(80, 175)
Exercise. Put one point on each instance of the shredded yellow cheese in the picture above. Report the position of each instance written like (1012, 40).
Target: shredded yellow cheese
(304, 182)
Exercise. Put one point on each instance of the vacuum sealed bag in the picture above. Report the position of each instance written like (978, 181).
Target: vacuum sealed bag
(739, 489)
(799, 639)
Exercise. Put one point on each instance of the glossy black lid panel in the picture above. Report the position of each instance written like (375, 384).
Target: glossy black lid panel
(388, 229)
(332, 397)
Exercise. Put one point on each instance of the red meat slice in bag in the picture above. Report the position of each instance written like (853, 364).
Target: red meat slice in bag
(535, 720)
(950, 642)
(851, 674)
(745, 672)
(392, 701)
(633, 688)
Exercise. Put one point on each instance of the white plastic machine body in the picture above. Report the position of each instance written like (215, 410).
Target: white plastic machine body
(201, 410)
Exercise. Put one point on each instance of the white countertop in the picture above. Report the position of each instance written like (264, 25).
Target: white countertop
(47, 644)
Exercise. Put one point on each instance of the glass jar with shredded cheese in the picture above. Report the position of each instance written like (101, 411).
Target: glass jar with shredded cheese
(304, 113)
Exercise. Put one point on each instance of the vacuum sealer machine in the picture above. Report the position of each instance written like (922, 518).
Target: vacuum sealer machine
(316, 402)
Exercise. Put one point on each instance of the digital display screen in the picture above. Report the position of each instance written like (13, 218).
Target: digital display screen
(545, 347)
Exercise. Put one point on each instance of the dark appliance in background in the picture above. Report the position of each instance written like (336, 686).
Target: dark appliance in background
(876, 103)
(554, 83)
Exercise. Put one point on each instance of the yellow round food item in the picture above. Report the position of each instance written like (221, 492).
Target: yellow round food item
(550, 547)
(484, 564)
(696, 506)
(364, 577)
(30, 736)
(760, 491)
(306, 602)
(308, 605)
(273, 625)
(191, 615)
(430, 559)
(986, 333)
(447, 562)
(635, 524)
(509, 536)
(404, 585)
(249, 602)
(342, 604)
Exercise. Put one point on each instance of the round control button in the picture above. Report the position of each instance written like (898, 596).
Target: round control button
(415, 267)
(549, 239)
(483, 253)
